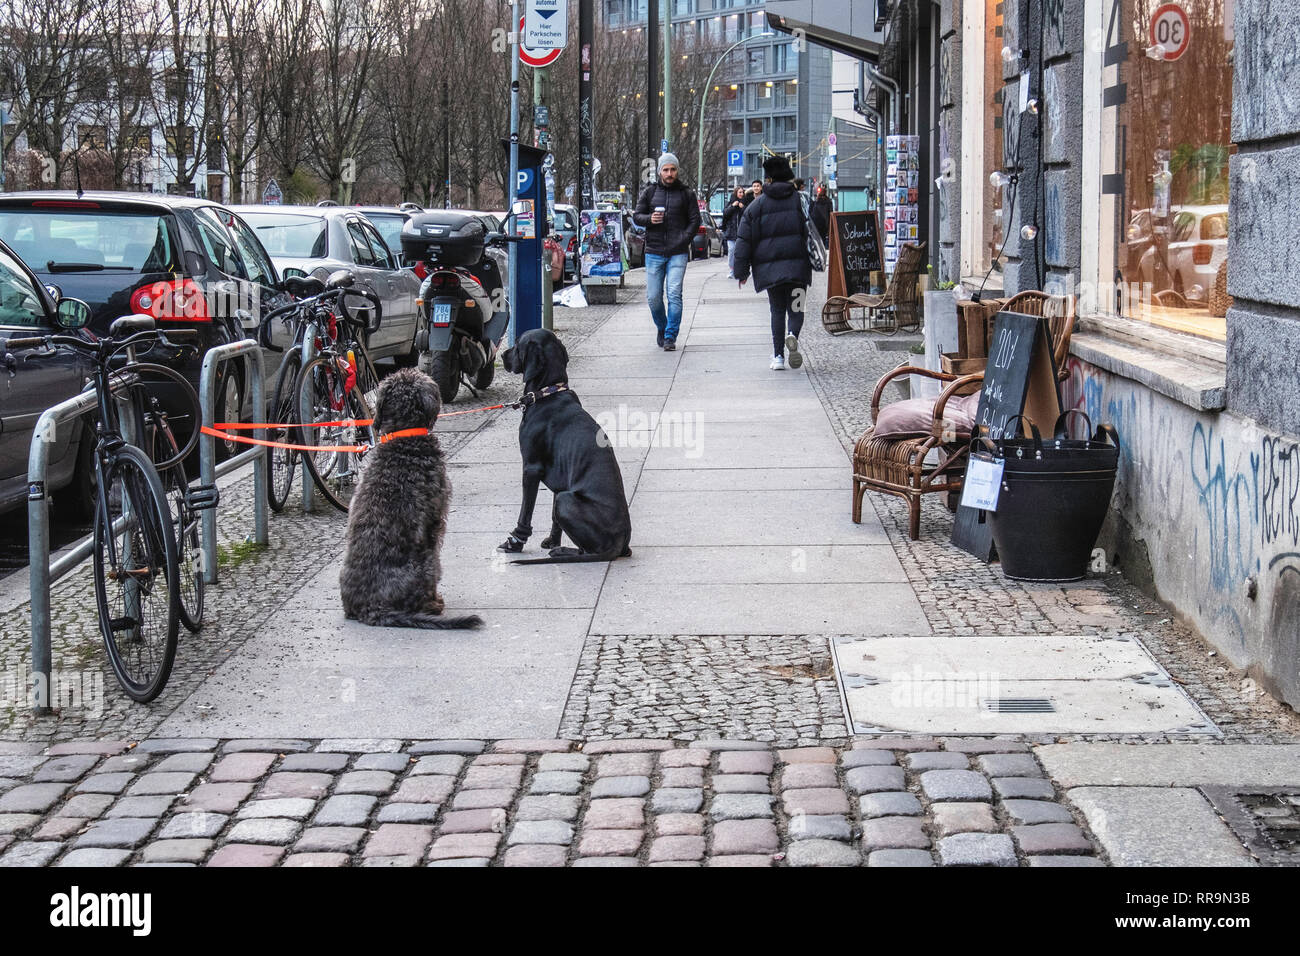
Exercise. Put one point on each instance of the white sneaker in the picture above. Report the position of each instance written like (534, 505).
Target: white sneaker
(778, 363)
(792, 346)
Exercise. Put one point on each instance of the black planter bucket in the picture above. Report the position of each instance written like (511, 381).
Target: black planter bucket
(1053, 500)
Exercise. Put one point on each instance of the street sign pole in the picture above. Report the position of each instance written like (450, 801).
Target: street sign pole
(586, 28)
(514, 164)
(668, 75)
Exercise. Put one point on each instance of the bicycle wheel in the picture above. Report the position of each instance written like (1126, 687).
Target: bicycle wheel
(322, 388)
(282, 462)
(185, 527)
(136, 575)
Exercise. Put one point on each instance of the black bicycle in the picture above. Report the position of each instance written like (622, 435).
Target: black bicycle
(342, 381)
(138, 581)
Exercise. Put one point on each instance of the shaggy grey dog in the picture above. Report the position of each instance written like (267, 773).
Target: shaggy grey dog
(398, 516)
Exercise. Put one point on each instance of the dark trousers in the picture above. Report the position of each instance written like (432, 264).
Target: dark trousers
(786, 303)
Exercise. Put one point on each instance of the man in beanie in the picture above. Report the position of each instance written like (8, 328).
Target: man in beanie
(770, 241)
(671, 216)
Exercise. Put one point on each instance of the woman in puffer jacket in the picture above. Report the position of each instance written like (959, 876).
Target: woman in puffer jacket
(770, 243)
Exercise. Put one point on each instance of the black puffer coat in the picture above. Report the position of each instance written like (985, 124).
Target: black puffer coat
(681, 218)
(770, 240)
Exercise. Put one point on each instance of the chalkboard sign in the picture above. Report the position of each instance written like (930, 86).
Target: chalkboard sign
(1020, 379)
(854, 252)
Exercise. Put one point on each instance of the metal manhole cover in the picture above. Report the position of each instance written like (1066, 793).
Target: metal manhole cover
(1032, 684)
(1265, 819)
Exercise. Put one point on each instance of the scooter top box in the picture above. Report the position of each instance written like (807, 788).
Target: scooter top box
(445, 236)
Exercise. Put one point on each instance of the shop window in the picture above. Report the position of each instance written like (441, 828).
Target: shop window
(1165, 146)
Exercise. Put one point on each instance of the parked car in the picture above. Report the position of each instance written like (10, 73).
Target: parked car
(185, 261)
(32, 381)
(389, 220)
(317, 241)
(634, 241)
(708, 238)
(1198, 245)
(565, 220)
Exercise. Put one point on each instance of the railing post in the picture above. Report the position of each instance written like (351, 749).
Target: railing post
(261, 464)
(304, 415)
(38, 551)
(208, 462)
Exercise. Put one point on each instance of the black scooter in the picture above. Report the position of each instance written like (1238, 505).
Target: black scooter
(463, 298)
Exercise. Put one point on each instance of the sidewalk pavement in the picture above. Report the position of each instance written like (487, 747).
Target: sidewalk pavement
(676, 707)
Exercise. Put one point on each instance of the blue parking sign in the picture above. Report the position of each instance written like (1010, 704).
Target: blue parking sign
(735, 157)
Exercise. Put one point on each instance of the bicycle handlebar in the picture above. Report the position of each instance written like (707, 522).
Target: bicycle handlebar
(101, 347)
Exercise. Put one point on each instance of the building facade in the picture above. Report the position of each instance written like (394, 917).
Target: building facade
(776, 89)
(1143, 157)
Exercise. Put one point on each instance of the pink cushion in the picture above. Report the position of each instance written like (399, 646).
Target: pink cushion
(913, 418)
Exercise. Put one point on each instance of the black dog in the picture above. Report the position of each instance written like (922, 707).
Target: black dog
(564, 447)
(392, 559)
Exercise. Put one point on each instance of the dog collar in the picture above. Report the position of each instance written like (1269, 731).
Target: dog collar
(404, 433)
(532, 398)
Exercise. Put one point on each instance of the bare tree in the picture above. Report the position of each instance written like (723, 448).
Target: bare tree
(241, 91)
(285, 42)
(129, 38)
(344, 41)
(47, 65)
(409, 83)
(186, 94)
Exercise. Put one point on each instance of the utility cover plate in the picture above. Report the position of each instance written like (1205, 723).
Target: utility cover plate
(944, 685)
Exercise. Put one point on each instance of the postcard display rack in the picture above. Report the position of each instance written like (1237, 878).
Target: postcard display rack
(902, 189)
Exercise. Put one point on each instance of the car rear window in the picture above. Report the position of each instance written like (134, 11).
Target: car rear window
(292, 236)
(90, 239)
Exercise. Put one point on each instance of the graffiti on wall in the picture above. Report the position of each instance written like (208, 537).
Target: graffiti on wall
(1230, 491)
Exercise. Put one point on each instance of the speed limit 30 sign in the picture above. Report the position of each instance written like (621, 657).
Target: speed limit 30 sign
(1171, 29)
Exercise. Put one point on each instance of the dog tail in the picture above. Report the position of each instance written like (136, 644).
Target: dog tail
(574, 556)
(429, 622)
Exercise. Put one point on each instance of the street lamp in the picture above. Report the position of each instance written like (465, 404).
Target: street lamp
(699, 157)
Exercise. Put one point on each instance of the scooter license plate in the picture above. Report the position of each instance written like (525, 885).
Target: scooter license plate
(442, 313)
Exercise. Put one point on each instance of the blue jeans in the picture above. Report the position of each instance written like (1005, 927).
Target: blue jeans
(661, 271)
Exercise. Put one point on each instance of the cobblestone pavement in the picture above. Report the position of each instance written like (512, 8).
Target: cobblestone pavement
(253, 580)
(627, 802)
(962, 595)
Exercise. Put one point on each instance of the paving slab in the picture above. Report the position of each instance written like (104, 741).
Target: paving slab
(314, 672)
(1171, 765)
(1159, 826)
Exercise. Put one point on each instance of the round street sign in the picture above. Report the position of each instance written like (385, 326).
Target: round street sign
(535, 57)
(1171, 29)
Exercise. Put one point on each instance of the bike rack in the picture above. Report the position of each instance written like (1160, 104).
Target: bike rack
(209, 470)
(42, 573)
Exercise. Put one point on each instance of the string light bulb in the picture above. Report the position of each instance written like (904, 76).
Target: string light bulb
(1028, 231)
(1032, 105)
(998, 179)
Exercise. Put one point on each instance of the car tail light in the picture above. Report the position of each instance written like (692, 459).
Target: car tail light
(1202, 252)
(702, 231)
(178, 300)
(65, 204)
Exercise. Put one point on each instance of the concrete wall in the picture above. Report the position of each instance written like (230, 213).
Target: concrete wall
(1207, 513)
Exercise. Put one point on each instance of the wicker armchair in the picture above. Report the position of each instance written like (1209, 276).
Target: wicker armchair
(1060, 313)
(888, 313)
(897, 466)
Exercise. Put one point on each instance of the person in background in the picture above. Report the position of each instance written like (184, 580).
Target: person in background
(821, 214)
(770, 241)
(799, 185)
(755, 190)
(671, 215)
(731, 222)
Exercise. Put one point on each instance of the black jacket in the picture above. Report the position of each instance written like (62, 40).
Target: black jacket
(770, 240)
(731, 217)
(821, 216)
(681, 218)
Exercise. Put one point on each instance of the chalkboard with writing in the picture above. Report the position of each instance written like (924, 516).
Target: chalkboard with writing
(854, 252)
(1020, 379)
